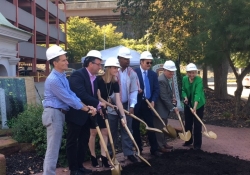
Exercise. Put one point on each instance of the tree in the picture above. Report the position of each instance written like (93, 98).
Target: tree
(84, 35)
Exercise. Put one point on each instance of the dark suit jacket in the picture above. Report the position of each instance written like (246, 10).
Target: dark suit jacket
(80, 84)
(154, 87)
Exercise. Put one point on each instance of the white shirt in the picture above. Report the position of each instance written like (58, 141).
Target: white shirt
(123, 75)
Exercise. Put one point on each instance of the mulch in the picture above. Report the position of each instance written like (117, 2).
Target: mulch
(179, 162)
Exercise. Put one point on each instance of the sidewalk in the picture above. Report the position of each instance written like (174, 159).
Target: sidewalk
(230, 141)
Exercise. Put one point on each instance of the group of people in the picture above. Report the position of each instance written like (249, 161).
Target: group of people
(79, 101)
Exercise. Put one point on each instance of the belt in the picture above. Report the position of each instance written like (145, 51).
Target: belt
(60, 109)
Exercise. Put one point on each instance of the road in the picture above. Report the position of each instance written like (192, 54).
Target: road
(231, 88)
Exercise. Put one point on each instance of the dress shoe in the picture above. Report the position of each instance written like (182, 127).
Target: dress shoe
(77, 172)
(168, 146)
(156, 154)
(164, 150)
(197, 148)
(85, 170)
(187, 144)
(132, 158)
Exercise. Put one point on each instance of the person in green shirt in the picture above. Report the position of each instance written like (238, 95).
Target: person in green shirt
(193, 95)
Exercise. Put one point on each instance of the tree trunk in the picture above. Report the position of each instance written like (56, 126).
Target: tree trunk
(204, 77)
(237, 97)
(220, 78)
(246, 108)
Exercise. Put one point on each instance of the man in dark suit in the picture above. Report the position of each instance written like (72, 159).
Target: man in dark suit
(149, 89)
(82, 83)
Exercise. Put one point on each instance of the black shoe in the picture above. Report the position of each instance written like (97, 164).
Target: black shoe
(85, 170)
(197, 148)
(187, 144)
(156, 154)
(77, 172)
(94, 162)
(132, 158)
(105, 162)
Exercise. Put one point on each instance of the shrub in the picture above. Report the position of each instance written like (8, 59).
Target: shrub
(27, 128)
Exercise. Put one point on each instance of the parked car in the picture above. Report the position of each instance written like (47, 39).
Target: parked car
(246, 81)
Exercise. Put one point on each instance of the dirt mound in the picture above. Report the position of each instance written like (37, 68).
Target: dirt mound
(188, 162)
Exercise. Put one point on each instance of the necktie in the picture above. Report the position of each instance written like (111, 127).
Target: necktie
(147, 85)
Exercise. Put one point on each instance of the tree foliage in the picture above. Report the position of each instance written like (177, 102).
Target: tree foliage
(84, 35)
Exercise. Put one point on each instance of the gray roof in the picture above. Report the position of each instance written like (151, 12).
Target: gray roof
(6, 23)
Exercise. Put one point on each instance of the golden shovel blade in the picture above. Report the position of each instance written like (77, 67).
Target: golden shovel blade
(171, 131)
(116, 170)
(185, 137)
(210, 134)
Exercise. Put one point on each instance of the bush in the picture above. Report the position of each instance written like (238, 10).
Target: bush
(27, 128)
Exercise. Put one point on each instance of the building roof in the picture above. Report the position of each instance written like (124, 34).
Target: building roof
(6, 23)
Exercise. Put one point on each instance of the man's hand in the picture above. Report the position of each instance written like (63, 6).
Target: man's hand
(185, 100)
(124, 121)
(176, 110)
(131, 110)
(140, 91)
(152, 104)
(174, 101)
(92, 110)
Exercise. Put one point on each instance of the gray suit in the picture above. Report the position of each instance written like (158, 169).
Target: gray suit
(163, 106)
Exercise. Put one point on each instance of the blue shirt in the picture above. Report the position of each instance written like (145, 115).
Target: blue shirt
(57, 93)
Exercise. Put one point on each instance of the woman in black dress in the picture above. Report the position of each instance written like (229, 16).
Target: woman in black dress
(107, 87)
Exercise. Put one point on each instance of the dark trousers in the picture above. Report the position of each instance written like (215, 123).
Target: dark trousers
(77, 144)
(146, 114)
(190, 121)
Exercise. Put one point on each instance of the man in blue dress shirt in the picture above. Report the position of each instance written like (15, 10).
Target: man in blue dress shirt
(57, 99)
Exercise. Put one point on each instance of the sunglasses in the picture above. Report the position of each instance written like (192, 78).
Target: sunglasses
(149, 62)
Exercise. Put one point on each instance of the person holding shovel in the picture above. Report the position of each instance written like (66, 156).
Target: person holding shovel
(149, 90)
(165, 102)
(193, 95)
(58, 98)
(128, 90)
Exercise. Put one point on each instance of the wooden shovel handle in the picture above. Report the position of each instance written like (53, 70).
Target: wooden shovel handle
(110, 137)
(132, 115)
(198, 118)
(179, 117)
(104, 145)
(156, 113)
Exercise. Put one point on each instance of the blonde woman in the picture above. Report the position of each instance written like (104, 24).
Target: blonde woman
(107, 87)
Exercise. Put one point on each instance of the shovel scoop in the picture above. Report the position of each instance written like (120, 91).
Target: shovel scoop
(185, 135)
(168, 130)
(115, 170)
(209, 134)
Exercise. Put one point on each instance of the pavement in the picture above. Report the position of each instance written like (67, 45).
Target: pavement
(230, 141)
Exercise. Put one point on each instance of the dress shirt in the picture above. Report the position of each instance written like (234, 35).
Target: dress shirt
(142, 72)
(92, 79)
(123, 81)
(57, 93)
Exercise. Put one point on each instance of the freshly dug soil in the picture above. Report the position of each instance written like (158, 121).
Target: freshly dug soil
(188, 162)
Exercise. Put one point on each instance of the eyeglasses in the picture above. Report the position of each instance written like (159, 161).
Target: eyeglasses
(98, 64)
(149, 62)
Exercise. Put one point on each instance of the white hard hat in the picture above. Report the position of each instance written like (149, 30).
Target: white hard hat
(169, 65)
(94, 53)
(112, 61)
(146, 55)
(124, 52)
(191, 67)
(54, 51)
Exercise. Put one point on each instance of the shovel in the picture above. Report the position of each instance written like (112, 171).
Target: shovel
(115, 170)
(132, 138)
(209, 134)
(185, 135)
(114, 160)
(147, 128)
(168, 130)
